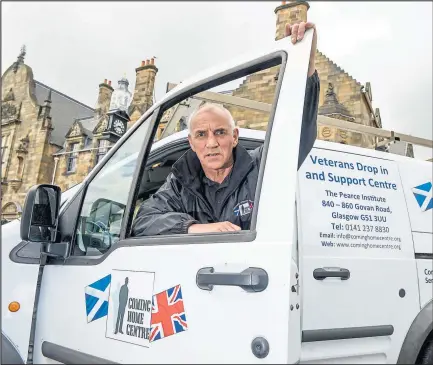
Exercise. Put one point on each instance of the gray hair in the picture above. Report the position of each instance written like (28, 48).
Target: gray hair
(211, 107)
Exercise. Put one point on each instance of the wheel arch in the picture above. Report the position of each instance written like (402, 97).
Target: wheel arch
(9, 353)
(420, 330)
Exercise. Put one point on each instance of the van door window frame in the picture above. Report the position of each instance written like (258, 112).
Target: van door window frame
(270, 60)
(262, 63)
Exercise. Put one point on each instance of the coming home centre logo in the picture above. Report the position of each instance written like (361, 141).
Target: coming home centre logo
(423, 196)
(132, 312)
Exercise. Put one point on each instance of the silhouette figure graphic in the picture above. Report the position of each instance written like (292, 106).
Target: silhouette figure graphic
(123, 300)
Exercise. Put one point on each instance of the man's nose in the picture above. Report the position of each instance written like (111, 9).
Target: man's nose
(211, 141)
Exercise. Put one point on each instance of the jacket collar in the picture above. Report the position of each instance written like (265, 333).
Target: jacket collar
(188, 170)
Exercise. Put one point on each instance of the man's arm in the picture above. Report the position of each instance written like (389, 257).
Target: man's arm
(309, 121)
(162, 213)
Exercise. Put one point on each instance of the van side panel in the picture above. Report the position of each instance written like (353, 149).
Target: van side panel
(417, 178)
(17, 284)
(359, 272)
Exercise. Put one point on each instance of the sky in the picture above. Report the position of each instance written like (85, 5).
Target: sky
(74, 46)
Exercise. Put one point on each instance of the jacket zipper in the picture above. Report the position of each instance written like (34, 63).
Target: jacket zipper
(233, 190)
(204, 201)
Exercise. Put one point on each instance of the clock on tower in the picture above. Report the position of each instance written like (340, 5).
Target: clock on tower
(117, 124)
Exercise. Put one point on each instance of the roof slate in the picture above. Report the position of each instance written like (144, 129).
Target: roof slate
(64, 110)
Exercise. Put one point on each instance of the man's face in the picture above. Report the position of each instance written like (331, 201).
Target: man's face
(212, 139)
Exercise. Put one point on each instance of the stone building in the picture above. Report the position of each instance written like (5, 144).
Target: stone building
(89, 139)
(34, 121)
(48, 137)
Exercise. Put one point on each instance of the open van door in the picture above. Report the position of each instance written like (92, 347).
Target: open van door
(223, 298)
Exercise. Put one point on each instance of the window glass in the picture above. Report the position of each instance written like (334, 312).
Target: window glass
(229, 123)
(72, 159)
(106, 197)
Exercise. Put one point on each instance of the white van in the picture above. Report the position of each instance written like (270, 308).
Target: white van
(336, 268)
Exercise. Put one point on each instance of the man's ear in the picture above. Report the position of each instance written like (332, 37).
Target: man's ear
(236, 136)
(190, 142)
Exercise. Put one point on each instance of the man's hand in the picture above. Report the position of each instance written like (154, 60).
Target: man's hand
(213, 227)
(296, 32)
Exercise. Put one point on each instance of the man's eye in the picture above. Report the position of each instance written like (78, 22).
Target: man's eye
(220, 132)
(200, 134)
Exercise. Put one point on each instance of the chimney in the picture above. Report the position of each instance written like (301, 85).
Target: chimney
(144, 85)
(290, 12)
(104, 98)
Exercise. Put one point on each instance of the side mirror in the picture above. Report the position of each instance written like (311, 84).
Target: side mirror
(40, 212)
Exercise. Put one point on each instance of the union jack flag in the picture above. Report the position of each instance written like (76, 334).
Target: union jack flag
(168, 314)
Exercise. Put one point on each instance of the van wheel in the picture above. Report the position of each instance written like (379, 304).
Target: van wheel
(427, 356)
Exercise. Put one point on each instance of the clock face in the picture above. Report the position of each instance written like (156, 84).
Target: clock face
(118, 126)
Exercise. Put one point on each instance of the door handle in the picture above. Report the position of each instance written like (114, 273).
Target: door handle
(251, 280)
(322, 273)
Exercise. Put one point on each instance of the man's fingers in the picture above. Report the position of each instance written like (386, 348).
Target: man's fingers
(288, 30)
(297, 31)
(234, 227)
(229, 227)
(223, 227)
(301, 31)
(309, 25)
(294, 35)
(237, 228)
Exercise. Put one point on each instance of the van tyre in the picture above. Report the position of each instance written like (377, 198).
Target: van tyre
(427, 356)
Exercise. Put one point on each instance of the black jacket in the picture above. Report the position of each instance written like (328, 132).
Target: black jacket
(180, 201)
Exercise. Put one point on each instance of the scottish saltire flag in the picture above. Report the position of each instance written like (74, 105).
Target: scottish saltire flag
(168, 314)
(423, 195)
(97, 298)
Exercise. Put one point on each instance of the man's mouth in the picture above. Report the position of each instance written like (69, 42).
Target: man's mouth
(212, 154)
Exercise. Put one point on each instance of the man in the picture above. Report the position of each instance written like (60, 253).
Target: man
(123, 300)
(212, 186)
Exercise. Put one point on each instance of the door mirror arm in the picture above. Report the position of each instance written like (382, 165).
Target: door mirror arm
(56, 250)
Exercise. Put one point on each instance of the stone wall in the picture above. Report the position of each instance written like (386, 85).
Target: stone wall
(27, 160)
(84, 164)
(261, 87)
